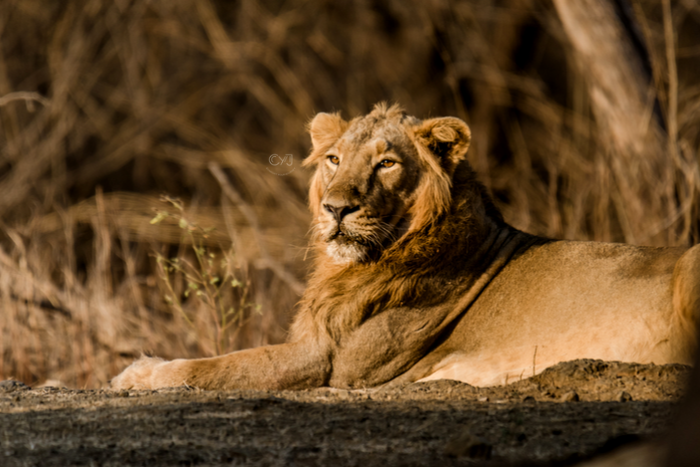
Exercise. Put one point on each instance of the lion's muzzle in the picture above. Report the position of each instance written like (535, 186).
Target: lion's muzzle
(340, 210)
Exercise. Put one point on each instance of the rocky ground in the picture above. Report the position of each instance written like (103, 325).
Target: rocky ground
(569, 412)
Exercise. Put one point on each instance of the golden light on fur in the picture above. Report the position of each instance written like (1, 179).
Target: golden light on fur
(441, 144)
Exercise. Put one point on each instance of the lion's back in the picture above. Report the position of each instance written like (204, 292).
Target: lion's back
(564, 300)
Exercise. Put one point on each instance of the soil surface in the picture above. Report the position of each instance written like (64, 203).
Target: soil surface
(569, 412)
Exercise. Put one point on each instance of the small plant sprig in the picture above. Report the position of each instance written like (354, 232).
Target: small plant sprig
(211, 280)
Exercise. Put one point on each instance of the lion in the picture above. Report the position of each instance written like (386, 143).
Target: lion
(418, 277)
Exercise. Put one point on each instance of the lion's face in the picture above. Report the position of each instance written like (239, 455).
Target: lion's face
(369, 175)
(374, 175)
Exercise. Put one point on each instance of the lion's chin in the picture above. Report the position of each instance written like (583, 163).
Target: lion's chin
(346, 252)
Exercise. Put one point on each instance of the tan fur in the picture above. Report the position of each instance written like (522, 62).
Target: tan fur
(418, 277)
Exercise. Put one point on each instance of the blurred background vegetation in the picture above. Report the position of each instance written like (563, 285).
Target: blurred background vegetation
(585, 120)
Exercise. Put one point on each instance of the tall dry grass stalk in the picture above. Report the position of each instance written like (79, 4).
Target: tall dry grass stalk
(105, 105)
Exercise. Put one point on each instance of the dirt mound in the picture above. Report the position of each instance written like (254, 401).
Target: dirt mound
(578, 380)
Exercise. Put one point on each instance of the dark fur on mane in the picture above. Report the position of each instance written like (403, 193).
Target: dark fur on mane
(414, 271)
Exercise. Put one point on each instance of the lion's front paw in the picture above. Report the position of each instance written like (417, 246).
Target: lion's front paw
(142, 374)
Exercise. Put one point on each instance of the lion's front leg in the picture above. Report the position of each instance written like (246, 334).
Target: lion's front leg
(284, 366)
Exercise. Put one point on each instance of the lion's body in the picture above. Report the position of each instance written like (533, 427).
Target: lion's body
(562, 301)
(417, 277)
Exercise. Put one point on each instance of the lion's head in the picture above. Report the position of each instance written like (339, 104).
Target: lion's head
(380, 177)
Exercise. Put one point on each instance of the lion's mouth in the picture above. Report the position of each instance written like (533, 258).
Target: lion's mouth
(365, 242)
(343, 238)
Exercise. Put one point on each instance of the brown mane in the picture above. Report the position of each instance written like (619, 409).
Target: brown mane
(447, 225)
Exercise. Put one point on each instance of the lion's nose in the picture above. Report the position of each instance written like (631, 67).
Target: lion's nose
(340, 211)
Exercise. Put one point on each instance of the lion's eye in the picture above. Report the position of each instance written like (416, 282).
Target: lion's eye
(334, 160)
(387, 163)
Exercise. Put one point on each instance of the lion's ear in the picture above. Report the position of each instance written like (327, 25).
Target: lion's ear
(325, 129)
(447, 138)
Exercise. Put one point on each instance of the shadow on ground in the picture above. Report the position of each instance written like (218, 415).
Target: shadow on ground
(566, 414)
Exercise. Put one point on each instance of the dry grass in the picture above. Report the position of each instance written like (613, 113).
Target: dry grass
(105, 105)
